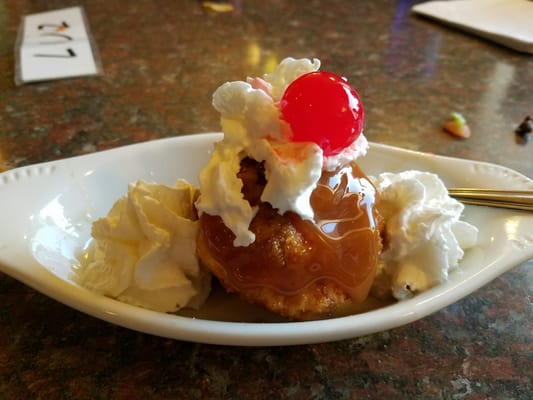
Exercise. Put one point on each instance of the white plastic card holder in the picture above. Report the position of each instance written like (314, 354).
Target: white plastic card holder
(55, 45)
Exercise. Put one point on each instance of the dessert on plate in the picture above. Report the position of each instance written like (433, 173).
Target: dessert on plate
(284, 216)
(288, 220)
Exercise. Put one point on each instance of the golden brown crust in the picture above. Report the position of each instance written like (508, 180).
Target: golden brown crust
(319, 300)
(298, 269)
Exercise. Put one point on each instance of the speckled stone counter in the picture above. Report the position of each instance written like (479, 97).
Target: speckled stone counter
(161, 63)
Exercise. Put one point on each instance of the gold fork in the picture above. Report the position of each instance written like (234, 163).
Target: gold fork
(513, 199)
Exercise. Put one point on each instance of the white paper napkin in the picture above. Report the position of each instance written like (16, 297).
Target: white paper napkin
(507, 22)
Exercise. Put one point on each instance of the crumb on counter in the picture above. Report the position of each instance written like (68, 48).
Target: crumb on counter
(524, 130)
(525, 127)
(457, 126)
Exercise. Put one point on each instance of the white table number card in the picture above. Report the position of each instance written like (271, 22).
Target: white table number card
(54, 45)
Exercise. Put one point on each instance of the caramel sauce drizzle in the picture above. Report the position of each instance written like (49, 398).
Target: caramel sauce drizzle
(289, 254)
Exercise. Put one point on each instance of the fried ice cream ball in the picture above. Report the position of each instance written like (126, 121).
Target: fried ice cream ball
(299, 269)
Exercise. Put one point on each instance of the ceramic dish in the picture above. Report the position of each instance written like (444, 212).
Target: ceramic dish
(46, 212)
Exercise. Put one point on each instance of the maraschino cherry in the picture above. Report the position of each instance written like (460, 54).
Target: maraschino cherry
(323, 108)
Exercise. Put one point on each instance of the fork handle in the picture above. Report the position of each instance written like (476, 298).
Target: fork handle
(512, 199)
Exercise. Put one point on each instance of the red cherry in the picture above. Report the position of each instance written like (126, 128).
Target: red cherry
(322, 107)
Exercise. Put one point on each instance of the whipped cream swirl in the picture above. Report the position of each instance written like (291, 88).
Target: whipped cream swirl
(143, 252)
(425, 238)
(252, 126)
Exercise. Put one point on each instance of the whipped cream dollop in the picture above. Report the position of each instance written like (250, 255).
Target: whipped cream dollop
(144, 250)
(424, 236)
(253, 127)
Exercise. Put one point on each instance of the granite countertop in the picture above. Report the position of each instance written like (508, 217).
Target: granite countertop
(161, 63)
